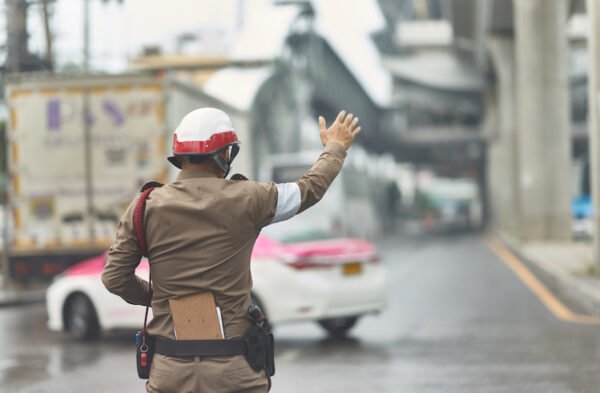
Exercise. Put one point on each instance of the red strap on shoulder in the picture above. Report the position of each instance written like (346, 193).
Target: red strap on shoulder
(138, 220)
(138, 229)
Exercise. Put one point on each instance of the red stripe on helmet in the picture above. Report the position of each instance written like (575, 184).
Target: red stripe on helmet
(215, 142)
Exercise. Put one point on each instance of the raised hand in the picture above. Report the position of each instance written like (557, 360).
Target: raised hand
(344, 130)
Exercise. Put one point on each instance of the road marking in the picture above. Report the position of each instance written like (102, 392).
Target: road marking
(551, 302)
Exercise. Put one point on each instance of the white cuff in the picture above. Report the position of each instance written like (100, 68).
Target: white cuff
(288, 201)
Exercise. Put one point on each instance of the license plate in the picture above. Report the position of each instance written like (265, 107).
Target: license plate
(351, 269)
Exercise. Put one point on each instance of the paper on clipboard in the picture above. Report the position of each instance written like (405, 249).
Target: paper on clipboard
(196, 317)
(220, 318)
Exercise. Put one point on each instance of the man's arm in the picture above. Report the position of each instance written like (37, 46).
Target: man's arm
(123, 258)
(293, 198)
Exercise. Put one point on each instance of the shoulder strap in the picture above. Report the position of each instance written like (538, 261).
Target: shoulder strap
(138, 229)
(138, 220)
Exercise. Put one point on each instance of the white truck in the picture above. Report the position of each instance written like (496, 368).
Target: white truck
(79, 149)
(350, 206)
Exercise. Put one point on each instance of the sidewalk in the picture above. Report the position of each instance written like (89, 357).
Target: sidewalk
(16, 296)
(566, 268)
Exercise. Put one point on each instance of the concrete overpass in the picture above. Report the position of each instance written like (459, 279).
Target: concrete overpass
(521, 48)
(499, 113)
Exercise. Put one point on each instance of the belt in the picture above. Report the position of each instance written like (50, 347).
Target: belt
(200, 347)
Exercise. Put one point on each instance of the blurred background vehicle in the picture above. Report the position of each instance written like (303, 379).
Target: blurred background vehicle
(452, 204)
(319, 276)
(300, 273)
(356, 190)
(581, 204)
(78, 302)
(72, 175)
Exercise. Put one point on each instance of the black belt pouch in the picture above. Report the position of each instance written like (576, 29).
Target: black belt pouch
(260, 349)
(270, 354)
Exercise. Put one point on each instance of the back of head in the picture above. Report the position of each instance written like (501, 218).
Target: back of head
(202, 134)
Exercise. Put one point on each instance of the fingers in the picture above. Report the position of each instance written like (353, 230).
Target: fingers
(348, 119)
(322, 124)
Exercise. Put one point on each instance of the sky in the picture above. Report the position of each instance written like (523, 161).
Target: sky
(119, 31)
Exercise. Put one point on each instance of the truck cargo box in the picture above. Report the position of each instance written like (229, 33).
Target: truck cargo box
(79, 148)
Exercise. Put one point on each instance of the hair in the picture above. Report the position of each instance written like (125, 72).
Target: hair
(194, 159)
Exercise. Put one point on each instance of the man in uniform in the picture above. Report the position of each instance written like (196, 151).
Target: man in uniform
(200, 231)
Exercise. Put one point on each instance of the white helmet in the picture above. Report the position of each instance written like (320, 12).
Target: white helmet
(205, 132)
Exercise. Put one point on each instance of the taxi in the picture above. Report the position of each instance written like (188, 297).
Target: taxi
(300, 273)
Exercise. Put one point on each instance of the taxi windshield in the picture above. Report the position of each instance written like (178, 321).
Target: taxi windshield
(295, 232)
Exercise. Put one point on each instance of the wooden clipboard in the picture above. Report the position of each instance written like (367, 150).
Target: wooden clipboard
(196, 317)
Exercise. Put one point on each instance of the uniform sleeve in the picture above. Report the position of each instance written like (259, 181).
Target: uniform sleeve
(319, 177)
(264, 204)
(279, 202)
(123, 257)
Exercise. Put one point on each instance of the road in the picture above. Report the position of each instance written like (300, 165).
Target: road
(458, 320)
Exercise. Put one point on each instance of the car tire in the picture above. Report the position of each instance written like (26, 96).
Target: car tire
(81, 320)
(338, 327)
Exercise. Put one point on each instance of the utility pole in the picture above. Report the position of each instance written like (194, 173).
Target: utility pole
(87, 124)
(87, 127)
(48, 33)
(593, 10)
(17, 54)
(86, 36)
(17, 51)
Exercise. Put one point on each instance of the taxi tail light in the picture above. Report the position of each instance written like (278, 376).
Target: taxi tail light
(307, 263)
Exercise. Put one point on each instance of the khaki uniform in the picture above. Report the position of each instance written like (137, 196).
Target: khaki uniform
(200, 232)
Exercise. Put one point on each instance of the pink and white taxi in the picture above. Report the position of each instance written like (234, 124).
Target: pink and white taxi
(300, 275)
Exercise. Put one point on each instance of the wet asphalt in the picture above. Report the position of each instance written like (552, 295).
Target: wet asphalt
(458, 320)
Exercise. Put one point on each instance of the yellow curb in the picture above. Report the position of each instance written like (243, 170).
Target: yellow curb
(551, 302)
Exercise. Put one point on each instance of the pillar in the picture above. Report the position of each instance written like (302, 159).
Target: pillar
(542, 114)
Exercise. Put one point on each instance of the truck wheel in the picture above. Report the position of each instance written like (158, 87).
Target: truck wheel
(80, 318)
(338, 327)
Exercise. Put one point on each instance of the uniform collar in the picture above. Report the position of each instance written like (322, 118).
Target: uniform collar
(195, 174)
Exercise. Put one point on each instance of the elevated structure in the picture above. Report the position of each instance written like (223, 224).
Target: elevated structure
(521, 48)
(501, 81)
